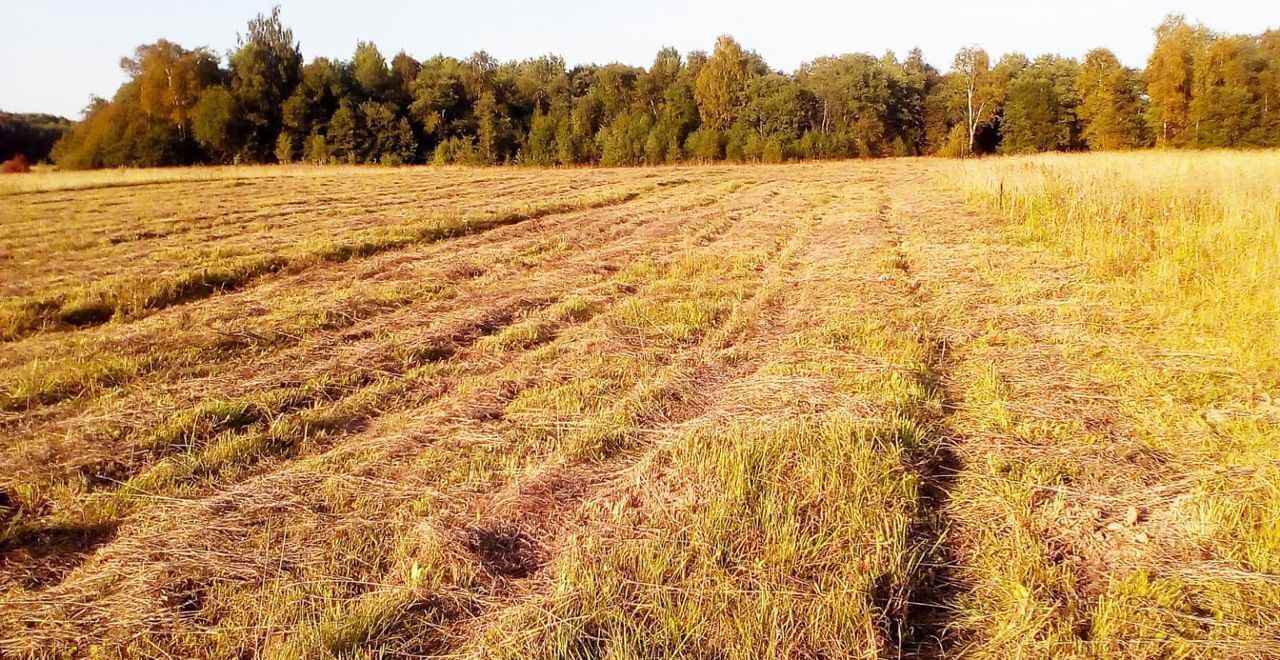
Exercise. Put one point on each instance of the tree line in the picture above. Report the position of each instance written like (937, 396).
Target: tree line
(31, 136)
(265, 104)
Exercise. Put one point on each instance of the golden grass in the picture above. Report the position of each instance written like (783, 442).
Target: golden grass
(48, 180)
(1126, 408)
(1194, 236)
(909, 408)
(174, 275)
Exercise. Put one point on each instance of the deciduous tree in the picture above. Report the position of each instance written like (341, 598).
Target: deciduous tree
(1170, 80)
(721, 89)
(1110, 102)
(217, 125)
(978, 92)
(265, 68)
(171, 79)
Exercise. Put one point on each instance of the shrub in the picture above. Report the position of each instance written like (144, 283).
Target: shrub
(773, 151)
(16, 165)
(284, 149)
(316, 150)
(957, 143)
(705, 145)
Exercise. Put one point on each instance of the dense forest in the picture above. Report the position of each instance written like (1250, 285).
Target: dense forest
(31, 135)
(265, 104)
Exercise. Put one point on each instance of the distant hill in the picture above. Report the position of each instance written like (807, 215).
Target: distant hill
(31, 135)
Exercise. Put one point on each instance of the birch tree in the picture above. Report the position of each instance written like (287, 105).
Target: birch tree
(981, 94)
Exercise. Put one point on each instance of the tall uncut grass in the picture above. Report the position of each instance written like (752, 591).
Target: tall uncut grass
(1179, 254)
(1193, 236)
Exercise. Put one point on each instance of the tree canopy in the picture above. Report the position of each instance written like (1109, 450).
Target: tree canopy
(264, 103)
(30, 135)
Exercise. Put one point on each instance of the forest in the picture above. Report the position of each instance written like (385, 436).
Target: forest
(265, 104)
(31, 135)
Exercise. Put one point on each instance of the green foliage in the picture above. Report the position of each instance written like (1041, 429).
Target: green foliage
(955, 144)
(722, 84)
(1212, 90)
(1110, 103)
(404, 73)
(285, 151)
(489, 127)
(389, 138)
(663, 144)
(346, 134)
(819, 144)
(975, 94)
(746, 145)
(852, 99)
(538, 82)
(1231, 99)
(777, 107)
(370, 71)
(31, 135)
(217, 125)
(574, 140)
(1200, 89)
(439, 99)
(458, 150)
(542, 148)
(705, 145)
(623, 141)
(911, 85)
(1040, 108)
(316, 150)
(308, 109)
(265, 69)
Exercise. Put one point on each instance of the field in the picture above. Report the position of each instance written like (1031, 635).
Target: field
(1023, 407)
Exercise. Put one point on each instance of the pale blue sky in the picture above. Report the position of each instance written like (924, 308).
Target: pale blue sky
(59, 53)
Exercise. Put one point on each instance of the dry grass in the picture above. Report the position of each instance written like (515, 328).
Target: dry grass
(1117, 396)
(47, 180)
(819, 410)
(1192, 236)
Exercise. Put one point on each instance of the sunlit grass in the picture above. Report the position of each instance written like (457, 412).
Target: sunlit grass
(820, 410)
(1165, 363)
(124, 297)
(1196, 236)
(46, 180)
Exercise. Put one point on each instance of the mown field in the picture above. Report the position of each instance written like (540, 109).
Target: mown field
(1023, 407)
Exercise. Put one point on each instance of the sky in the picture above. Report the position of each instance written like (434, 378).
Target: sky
(60, 53)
